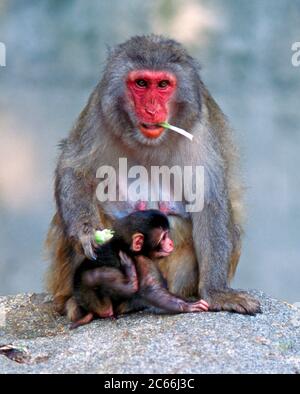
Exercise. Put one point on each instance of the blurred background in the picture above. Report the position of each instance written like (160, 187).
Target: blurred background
(55, 54)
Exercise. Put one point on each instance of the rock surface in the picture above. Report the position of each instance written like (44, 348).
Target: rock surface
(149, 343)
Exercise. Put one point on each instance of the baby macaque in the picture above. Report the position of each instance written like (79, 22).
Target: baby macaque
(125, 271)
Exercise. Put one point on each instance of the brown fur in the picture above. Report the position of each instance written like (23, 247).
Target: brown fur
(59, 278)
(181, 268)
(98, 138)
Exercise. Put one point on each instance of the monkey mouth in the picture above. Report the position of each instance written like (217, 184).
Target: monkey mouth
(162, 254)
(159, 254)
(151, 130)
(161, 251)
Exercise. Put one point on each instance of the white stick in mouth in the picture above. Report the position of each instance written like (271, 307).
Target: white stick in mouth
(177, 129)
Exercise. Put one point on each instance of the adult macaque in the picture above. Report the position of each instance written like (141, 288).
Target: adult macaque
(125, 272)
(149, 80)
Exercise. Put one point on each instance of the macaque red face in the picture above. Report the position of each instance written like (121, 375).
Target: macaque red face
(160, 245)
(150, 92)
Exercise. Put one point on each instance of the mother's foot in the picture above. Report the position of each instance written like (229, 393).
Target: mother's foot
(232, 301)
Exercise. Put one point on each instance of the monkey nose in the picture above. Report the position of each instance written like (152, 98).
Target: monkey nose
(151, 110)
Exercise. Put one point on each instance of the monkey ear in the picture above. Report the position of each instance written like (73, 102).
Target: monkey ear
(137, 242)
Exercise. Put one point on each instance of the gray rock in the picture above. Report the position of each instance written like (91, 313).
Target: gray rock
(149, 343)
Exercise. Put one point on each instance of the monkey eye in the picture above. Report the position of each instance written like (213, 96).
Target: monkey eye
(166, 234)
(141, 83)
(163, 236)
(163, 84)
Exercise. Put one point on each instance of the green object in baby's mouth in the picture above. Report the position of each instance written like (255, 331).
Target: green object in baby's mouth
(102, 236)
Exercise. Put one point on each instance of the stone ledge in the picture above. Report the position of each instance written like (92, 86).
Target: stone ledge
(150, 343)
